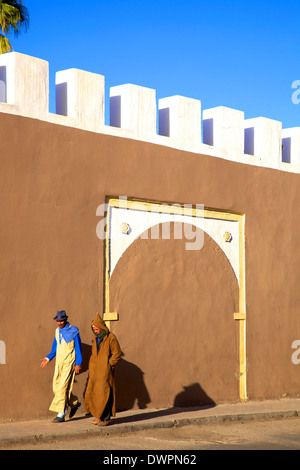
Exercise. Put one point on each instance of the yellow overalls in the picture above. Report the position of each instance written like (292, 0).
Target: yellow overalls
(64, 374)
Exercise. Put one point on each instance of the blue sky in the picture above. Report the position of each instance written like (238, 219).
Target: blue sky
(236, 53)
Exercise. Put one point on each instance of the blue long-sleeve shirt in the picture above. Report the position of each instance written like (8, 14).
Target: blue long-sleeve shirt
(77, 345)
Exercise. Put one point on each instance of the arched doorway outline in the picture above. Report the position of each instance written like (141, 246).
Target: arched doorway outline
(188, 211)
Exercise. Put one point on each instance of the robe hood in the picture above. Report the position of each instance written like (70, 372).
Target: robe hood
(99, 323)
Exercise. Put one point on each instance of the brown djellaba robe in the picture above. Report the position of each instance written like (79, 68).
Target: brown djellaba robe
(101, 379)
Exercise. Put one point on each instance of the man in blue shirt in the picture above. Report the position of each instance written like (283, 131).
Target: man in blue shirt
(66, 347)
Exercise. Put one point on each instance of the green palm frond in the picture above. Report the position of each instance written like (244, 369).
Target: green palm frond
(14, 17)
(5, 45)
(20, 16)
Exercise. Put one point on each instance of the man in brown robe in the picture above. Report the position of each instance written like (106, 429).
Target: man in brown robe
(100, 392)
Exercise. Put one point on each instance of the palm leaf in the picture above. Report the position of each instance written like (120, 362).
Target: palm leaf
(5, 45)
(21, 15)
(9, 17)
(14, 17)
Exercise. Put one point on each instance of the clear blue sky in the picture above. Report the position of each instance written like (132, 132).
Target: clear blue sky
(237, 53)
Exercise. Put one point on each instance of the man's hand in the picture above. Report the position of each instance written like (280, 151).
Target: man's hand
(44, 362)
(77, 369)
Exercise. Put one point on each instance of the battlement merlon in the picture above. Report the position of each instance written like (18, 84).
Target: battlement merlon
(223, 132)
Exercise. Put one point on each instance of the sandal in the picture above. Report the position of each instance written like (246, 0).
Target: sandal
(58, 420)
(96, 421)
(104, 423)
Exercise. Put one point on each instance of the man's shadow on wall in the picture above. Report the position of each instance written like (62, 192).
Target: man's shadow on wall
(130, 386)
(131, 389)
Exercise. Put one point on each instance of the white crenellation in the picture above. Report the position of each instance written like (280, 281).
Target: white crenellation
(223, 128)
(134, 108)
(180, 119)
(291, 145)
(26, 84)
(24, 91)
(74, 90)
(263, 139)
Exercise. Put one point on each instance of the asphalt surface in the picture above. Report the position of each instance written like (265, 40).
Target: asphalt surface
(80, 426)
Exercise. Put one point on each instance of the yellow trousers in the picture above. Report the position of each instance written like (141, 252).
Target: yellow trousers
(64, 374)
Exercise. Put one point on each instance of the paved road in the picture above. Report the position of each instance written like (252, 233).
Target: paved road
(274, 434)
